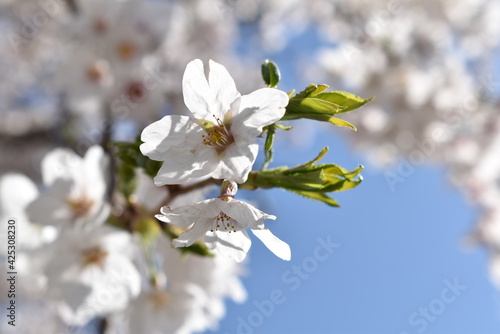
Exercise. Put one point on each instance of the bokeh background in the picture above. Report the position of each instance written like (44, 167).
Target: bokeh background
(416, 244)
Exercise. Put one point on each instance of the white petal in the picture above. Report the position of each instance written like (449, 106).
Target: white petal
(60, 163)
(49, 210)
(96, 164)
(198, 96)
(61, 189)
(16, 192)
(236, 162)
(258, 109)
(198, 230)
(273, 243)
(185, 215)
(234, 245)
(182, 164)
(147, 193)
(245, 214)
(98, 214)
(207, 208)
(223, 86)
(170, 131)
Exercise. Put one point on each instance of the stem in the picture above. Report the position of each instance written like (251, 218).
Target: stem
(106, 137)
(102, 325)
(72, 6)
(176, 190)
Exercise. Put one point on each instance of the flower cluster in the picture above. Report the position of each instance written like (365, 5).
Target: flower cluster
(76, 266)
(218, 140)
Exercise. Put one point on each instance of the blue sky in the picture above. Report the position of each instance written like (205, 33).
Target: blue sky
(399, 263)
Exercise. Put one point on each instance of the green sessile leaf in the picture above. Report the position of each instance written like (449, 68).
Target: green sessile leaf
(314, 103)
(347, 100)
(309, 179)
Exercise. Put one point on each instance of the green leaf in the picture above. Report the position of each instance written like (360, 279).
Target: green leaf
(341, 122)
(270, 73)
(268, 146)
(322, 197)
(127, 181)
(309, 179)
(303, 107)
(311, 163)
(347, 100)
(130, 154)
(314, 103)
(311, 90)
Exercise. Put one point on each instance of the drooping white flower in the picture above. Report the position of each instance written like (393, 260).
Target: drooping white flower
(76, 189)
(221, 222)
(90, 273)
(219, 140)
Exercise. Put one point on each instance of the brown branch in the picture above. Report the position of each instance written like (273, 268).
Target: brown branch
(176, 190)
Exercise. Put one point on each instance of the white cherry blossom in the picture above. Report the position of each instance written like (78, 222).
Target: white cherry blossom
(76, 192)
(90, 273)
(222, 223)
(219, 139)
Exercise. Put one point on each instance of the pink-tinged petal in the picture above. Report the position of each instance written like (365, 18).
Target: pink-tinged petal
(198, 96)
(273, 243)
(170, 131)
(234, 245)
(223, 86)
(197, 231)
(49, 210)
(258, 109)
(236, 162)
(182, 164)
(245, 214)
(61, 163)
(16, 192)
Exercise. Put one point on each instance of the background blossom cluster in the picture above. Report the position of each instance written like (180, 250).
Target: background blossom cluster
(72, 64)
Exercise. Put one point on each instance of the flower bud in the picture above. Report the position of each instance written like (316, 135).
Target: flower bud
(228, 189)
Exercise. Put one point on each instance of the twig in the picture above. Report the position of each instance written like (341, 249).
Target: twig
(176, 190)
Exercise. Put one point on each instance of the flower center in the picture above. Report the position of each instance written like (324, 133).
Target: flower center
(94, 255)
(159, 299)
(81, 206)
(98, 71)
(100, 26)
(224, 223)
(126, 50)
(218, 135)
(136, 92)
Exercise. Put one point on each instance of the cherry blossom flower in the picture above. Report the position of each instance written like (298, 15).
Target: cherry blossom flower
(221, 222)
(90, 273)
(206, 272)
(161, 310)
(219, 139)
(76, 189)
